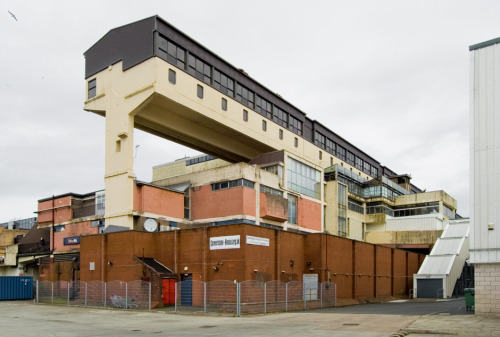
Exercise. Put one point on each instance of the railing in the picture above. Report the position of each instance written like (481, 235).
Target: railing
(115, 294)
(222, 297)
(251, 297)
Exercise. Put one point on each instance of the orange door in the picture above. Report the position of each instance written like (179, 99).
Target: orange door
(168, 291)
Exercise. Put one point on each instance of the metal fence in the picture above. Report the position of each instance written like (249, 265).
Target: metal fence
(115, 294)
(222, 297)
(251, 297)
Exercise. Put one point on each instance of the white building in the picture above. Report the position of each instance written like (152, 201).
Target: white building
(485, 170)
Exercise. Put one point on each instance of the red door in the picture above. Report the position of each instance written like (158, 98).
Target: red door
(168, 291)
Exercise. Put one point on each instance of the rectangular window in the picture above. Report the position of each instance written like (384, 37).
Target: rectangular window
(245, 115)
(199, 91)
(296, 142)
(342, 210)
(367, 167)
(359, 163)
(172, 53)
(264, 125)
(233, 183)
(320, 155)
(351, 158)
(263, 107)
(374, 172)
(270, 190)
(199, 69)
(281, 134)
(295, 125)
(244, 96)
(292, 209)
(224, 104)
(171, 76)
(319, 140)
(92, 88)
(330, 146)
(340, 152)
(223, 83)
(186, 203)
(280, 116)
(303, 179)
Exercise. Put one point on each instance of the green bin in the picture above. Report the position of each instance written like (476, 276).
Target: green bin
(469, 299)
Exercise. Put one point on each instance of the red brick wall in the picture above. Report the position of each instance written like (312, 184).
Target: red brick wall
(309, 214)
(364, 262)
(75, 229)
(206, 203)
(383, 267)
(345, 259)
(158, 201)
(62, 210)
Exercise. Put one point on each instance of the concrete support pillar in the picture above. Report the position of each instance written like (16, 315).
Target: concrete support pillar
(119, 172)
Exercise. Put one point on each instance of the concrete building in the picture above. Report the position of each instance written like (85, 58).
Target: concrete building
(485, 185)
(151, 76)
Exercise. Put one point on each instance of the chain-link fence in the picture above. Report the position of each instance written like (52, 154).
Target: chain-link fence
(115, 294)
(222, 297)
(251, 297)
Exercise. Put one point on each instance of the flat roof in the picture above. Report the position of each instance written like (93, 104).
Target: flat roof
(484, 44)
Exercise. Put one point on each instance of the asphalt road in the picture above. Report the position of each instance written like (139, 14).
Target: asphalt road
(23, 318)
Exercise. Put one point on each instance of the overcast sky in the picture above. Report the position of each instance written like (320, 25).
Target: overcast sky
(391, 77)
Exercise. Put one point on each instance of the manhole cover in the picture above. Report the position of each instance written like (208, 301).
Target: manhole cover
(208, 326)
(351, 324)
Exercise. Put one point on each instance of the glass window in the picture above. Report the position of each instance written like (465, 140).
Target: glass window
(366, 167)
(263, 107)
(199, 69)
(280, 116)
(342, 210)
(359, 163)
(223, 83)
(171, 76)
(92, 88)
(303, 179)
(200, 91)
(244, 96)
(270, 190)
(292, 209)
(351, 159)
(374, 172)
(330, 146)
(341, 152)
(233, 183)
(295, 125)
(172, 53)
(320, 140)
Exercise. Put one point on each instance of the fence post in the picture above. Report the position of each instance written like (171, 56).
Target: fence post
(335, 294)
(238, 304)
(52, 299)
(205, 297)
(321, 294)
(105, 295)
(68, 293)
(149, 305)
(126, 295)
(175, 297)
(265, 297)
(286, 297)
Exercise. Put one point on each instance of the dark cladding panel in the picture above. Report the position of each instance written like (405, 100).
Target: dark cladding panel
(131, 44)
